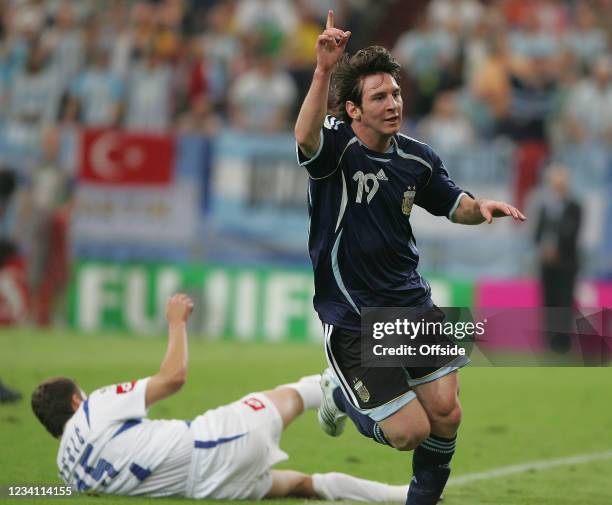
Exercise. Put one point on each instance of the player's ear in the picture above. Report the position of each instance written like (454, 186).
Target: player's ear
(353, 110)
(76, 401)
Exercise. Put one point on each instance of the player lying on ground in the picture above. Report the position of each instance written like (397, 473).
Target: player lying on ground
(365, 177)
(107, 445)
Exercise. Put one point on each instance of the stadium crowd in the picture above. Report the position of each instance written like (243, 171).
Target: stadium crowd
(538, 73)
(531, 70)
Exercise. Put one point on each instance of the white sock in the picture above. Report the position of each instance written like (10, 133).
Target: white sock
(309, 388)
(339, 486)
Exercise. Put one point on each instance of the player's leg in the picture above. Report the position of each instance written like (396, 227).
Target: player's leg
(292, 399)
(333, 486)
(367, 395)
(402, 426)
(407, 428)
(288, 483)
(431, 460)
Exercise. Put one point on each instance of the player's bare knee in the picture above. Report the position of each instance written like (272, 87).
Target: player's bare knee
(304, 487)
(447, 418)
(411, 439)
(287, 401)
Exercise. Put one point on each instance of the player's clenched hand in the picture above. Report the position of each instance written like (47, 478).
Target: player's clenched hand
(490, 209)
(178, 308)
(330, 45)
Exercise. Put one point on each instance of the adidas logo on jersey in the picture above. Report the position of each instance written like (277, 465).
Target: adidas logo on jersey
(381, 176)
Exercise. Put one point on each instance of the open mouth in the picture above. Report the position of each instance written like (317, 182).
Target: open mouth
(393, 119)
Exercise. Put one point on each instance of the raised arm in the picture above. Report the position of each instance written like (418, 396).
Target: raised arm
(173, 370)
(472, 211)
(330, 46)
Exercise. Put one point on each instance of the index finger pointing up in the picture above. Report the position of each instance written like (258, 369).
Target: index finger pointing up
(330, 19)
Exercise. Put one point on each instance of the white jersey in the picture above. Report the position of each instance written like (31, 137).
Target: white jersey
(108, 446)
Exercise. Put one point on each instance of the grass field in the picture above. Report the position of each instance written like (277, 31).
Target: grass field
(512, 416)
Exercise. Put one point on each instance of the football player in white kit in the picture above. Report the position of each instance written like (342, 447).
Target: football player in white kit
(108, 445)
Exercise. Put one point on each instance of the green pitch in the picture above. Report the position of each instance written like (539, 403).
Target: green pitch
(512, 416)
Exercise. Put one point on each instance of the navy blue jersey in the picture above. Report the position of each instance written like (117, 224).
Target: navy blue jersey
(360, 242)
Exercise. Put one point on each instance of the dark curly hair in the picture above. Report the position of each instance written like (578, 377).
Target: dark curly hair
(52, 403)
(347, 79)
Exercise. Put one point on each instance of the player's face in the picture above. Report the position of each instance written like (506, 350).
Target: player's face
(381, 104)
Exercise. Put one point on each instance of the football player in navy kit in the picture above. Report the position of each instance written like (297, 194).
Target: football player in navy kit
(364, 179)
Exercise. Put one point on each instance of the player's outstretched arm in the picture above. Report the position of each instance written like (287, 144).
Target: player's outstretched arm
(330, 46)
(472, 211)
(173, 370)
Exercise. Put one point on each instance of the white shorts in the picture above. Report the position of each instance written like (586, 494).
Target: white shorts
(235, 446)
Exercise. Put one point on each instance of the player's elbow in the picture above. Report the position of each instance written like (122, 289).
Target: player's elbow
(180, 379)
(176, 380)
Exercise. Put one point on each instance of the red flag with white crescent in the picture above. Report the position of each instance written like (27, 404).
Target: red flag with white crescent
(114, 157)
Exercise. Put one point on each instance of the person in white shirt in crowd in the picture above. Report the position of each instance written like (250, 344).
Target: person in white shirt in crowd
(108, 445)
(35, 96)
(262, 98)
(65, 42)
(149, 104)
(446, 128)
(97, 93)
(588, 109)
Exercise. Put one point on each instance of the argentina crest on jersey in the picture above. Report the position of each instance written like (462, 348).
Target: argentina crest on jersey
(361, 390)
(408, 200)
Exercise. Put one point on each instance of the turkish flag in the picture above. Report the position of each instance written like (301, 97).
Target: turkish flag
(114, 157)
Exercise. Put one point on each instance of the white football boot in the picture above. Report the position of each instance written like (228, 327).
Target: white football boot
(331, 418)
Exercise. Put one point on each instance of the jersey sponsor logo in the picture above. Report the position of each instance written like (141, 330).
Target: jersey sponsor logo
(408, 200)
(126, 387)
(367, 183)
(254, 403)
(361, 390)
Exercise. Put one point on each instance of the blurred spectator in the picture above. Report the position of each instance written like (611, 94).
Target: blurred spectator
(166, 38)
(149, 104)
(446, 128)
(427, 56)
(530, 40)
(200, 118)
(551, 15)
(222, 49)
(586, 41)
(96, 96)
(13, 279)
(132, 37)
(458, 16)
(196, 72)
(300, 55)
(35, 96)
(46, 215)
(319, 9)
(65, 43)
(588, 108)
(533, 84)
(491, 80)
(262, 98)
(476, 44)
(557, 230)
(273, 15)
